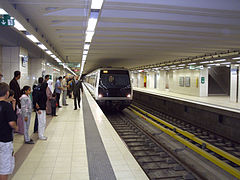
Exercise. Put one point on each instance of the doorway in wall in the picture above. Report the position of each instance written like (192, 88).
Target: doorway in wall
(219, 81)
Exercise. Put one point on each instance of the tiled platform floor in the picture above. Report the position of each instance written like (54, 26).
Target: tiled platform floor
(64, 156)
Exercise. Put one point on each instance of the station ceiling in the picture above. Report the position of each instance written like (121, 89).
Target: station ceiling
(132, 33)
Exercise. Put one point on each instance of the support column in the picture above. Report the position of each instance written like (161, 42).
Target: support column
(140, 80)
(203, 82)
(234, 83)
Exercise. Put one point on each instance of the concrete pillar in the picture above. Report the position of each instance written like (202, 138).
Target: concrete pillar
(161, 80)
(134, 78)
(150, 80)
(233, 83)
(203, 82)
(140, 80)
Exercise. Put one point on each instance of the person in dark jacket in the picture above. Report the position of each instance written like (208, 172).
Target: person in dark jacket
(41, 101)
(76, 86)
(16, 88)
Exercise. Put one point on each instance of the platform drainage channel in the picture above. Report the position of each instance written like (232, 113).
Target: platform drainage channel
(156, 163)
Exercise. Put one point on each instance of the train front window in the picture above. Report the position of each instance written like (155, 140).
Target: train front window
(115, 79)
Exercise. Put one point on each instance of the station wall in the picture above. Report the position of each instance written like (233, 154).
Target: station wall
(190, 82)
(16, 58)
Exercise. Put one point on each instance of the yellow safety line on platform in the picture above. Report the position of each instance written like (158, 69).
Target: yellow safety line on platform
(203, 153)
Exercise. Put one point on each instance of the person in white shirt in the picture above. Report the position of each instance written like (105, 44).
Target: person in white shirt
(64, 86)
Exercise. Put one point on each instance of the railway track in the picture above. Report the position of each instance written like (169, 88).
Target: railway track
(221, 151)
(155, 160)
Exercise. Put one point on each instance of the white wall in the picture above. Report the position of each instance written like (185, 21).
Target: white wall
(10, 62)
(174, 82)
(203, 87)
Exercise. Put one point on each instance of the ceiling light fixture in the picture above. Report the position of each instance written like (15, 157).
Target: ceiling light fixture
(53, 56)
(84, 57)
(89, 36)
(236, 58)
(204, 62)
(85, 52)
(32, 38)
(42, 46)
(220, 60)
(86, 46)
(49, 52)
(19, 26)
(96, 4)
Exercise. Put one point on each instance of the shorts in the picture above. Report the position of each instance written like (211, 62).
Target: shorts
(7, 161)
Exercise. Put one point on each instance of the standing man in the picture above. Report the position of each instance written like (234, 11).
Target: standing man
(77, 85)
(64, 89)
(7, 124)
(58, 90)
(15, 87)
(41, 101)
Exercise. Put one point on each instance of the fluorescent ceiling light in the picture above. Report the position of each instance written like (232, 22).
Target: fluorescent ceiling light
(2, 11)
(32, 38)
(226, 63)
(92, 22)
(58, 60)
(48, 52)
(204, 62)
(96, 4)
(173, 66)
(89, 36)
(42, 46)
(191, 63)
(220, 60)
(236, 65)
(84, 57)
(18, 26)
(85, 52)
(182, 65)
(236, 58)
(86, 46)
(53, 56)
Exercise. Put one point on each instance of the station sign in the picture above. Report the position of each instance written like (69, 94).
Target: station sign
(202, 80)
(6, 20)
(196, 67)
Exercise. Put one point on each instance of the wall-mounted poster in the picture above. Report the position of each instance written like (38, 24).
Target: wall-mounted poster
(24, 61)
(187, 81)
(181, 81)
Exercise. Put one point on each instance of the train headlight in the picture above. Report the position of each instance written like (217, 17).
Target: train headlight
(100, 95)
(129, 95)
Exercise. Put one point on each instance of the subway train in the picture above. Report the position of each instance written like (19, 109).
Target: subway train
(110, 87)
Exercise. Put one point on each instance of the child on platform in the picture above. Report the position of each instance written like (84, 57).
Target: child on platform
(26, 107)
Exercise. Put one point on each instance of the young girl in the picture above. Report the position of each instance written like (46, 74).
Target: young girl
(26, 107)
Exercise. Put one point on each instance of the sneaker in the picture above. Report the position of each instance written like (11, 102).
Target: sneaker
(75, 108)
(43, 138)
(59, 106)
(29, 142)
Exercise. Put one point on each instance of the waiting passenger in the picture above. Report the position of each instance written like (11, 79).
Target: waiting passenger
(58, 90)
(41, 101)
(7, 124)
(53, 104)
(16, 88)
(77, 85)
(26, 107)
